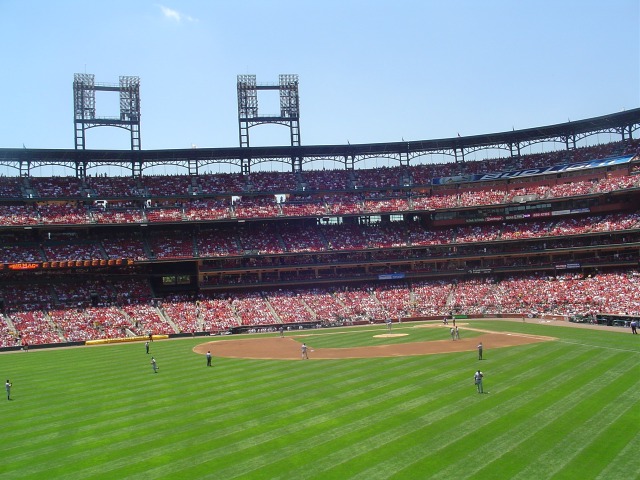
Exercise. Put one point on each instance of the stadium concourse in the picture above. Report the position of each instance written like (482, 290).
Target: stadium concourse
(213, 253)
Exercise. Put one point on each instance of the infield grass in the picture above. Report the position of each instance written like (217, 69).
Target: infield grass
(565, 409)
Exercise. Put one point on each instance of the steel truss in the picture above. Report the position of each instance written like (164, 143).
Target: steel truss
(84, 102)
(625, 124)
(249, 115)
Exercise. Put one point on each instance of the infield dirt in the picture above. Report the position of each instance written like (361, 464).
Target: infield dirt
(287, 348)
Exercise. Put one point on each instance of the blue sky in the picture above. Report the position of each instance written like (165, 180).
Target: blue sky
(370, 71)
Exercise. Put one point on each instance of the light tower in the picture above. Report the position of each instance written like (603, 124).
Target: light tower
(84, 107)
(249, 116)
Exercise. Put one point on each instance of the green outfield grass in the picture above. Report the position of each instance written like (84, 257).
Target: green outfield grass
(567, 409)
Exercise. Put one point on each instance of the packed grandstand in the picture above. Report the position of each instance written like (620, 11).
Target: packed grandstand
(94, 257)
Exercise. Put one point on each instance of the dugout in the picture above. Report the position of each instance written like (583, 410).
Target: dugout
(616, 320)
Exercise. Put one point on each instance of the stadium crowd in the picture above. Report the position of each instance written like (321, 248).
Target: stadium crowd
(69, 312)
(36, 310)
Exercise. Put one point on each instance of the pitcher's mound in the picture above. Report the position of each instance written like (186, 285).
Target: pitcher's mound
(391, 335)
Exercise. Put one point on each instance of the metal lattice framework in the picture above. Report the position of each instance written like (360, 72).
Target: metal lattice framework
(249, 115)
(624, 125)
(84, 111)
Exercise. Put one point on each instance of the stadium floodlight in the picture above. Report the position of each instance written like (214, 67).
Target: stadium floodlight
(249, 115)
(84, 99)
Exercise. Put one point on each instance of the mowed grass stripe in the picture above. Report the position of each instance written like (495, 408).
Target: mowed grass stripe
(147, 419)
(626, 458)
(436, 447)
(463, 418)
(441, 402)
(274, 445)
(73, 400)
(276, 453)
(302, 413)
(144, 421)
(344, 419)
(368, 386)
(530, 430)
(583, 452)
(261, 406)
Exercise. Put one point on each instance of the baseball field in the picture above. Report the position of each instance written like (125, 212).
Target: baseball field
(559, 403)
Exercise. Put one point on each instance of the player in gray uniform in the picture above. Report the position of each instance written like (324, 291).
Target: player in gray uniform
(154, 365)
(477, 378)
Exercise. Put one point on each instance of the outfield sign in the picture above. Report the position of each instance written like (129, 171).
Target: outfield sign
(567, 266)
(391, 276)
(66, 264)
(568, 167)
